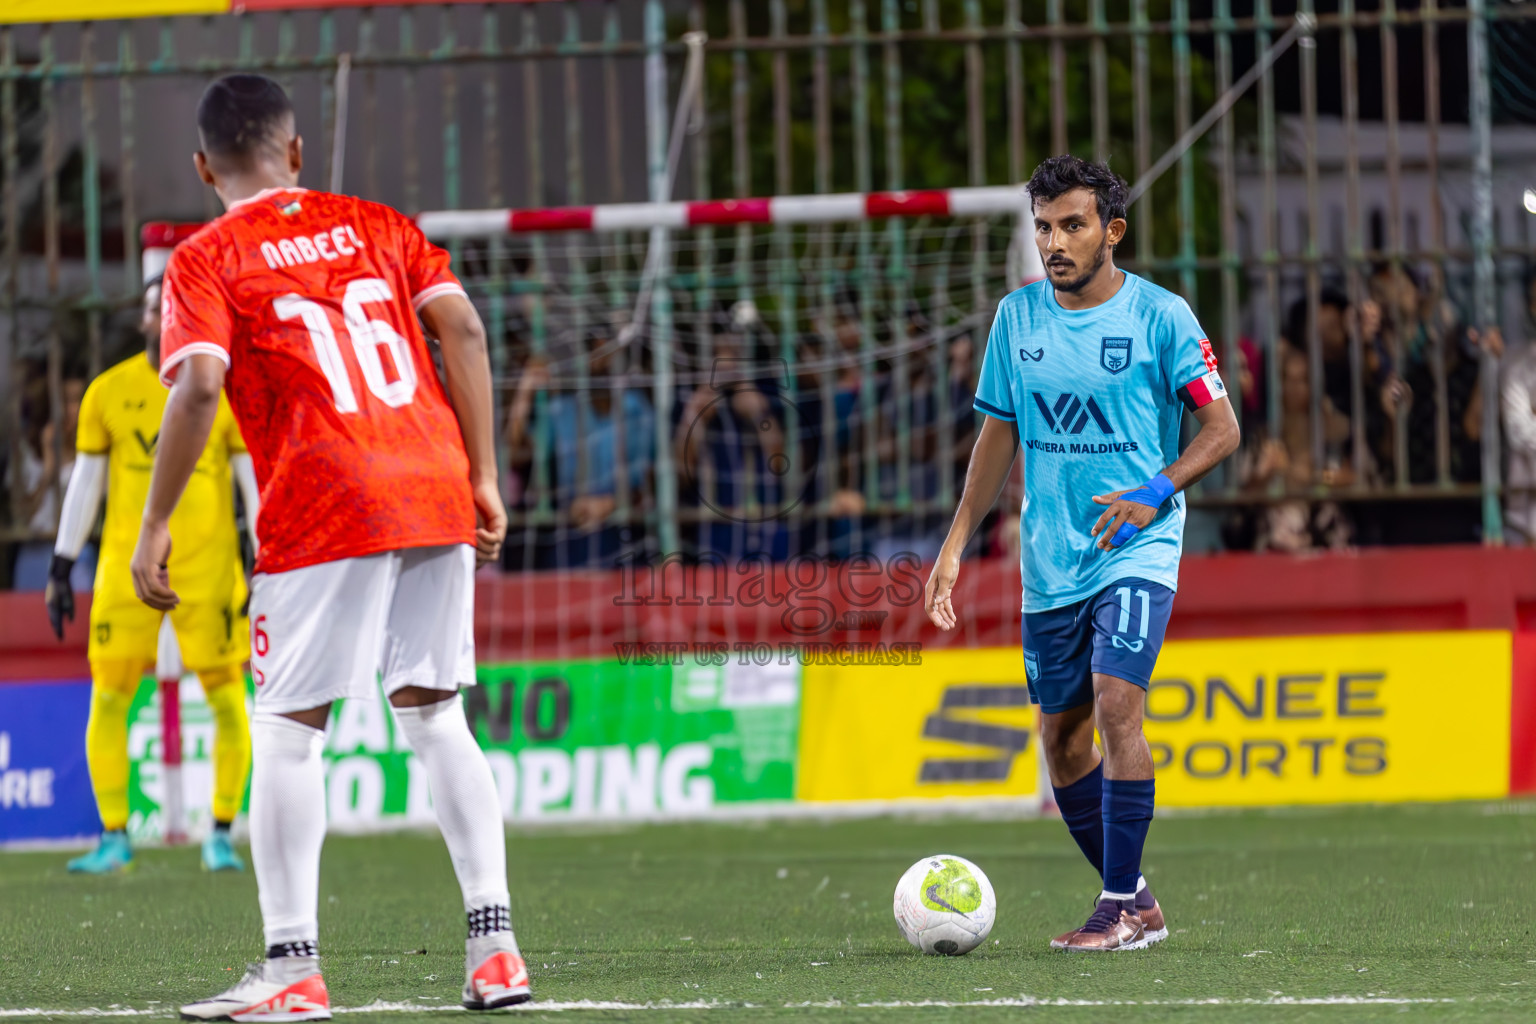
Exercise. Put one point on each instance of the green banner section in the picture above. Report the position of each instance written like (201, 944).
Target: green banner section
(581, 740)
(146, 773)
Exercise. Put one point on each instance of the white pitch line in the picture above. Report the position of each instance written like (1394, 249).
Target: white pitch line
(601, 1004)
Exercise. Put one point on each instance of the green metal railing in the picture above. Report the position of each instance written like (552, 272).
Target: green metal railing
(527, 105)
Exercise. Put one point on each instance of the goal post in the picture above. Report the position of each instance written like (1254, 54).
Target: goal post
(860, 317)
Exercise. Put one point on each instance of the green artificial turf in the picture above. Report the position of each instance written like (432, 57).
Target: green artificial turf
(1409, 902)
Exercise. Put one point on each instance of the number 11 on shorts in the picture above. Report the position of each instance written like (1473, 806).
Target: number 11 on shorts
(1124, 593)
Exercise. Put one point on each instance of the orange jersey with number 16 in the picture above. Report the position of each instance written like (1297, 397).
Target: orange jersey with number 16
(310, 299)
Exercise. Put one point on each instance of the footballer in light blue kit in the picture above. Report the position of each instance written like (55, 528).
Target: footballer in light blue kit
(1088, 374)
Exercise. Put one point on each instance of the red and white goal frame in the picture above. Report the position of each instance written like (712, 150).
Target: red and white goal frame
(158, 238)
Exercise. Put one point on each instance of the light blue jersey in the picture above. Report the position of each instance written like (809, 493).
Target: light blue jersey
(1097, 395)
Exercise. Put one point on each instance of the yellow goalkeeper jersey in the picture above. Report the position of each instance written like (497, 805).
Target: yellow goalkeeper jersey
(120, 418)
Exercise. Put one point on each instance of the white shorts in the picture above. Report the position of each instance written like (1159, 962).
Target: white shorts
(326, 631)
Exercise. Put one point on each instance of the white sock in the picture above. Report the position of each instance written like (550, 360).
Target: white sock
(287, 825)
(464, 798)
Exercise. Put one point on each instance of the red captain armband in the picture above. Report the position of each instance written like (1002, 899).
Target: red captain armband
(1202, 391)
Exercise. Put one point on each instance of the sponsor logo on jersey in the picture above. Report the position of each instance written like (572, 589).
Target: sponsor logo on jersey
(1115, 354)
(1070, 414)
(1026, 355)
(1207, 354)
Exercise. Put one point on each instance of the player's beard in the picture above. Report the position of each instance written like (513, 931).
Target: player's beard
(1078, 284)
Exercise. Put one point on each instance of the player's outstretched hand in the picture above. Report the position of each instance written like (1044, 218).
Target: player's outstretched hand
(59, 595)
(1110, 529)
(490, 523)
(941, 582)
(151, 555)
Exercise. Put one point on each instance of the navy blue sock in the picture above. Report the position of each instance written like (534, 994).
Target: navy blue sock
(1082, 808)
(1127, 814)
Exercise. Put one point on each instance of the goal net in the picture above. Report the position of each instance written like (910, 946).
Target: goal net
(761, 378)
(784, 382)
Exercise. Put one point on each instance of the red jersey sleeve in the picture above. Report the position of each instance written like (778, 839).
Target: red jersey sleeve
(195, 313)
(428, 268)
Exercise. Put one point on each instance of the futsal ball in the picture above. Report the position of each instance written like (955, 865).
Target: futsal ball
(945, 905)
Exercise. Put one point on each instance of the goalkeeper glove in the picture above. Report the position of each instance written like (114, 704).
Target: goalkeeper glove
(59, 595)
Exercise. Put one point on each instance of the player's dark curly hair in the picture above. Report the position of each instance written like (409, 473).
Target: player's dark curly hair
(1059, 175)
(240, 114)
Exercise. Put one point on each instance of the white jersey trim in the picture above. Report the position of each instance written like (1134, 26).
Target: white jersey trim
(437, 291)
(197, 348)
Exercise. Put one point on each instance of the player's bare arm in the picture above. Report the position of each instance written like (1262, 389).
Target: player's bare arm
(996, 447)
(189, 416)
(1217, 438)
(453, 321)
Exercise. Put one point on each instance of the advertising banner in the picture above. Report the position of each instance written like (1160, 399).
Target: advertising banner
(23, 11)
(1335, 719)
(1230, 723)
(287, 5)
(958, 725)
(45, 786)
(146, 772)
(587, 740)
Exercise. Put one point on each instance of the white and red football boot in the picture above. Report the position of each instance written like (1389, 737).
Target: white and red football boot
(494, 973)
(282, 989)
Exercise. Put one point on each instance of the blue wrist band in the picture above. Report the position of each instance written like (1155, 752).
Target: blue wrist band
(1151, 494)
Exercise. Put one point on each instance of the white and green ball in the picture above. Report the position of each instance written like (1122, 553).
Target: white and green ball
(945, 905)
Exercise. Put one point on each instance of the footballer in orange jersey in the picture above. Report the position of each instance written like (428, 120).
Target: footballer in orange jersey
(379, 498)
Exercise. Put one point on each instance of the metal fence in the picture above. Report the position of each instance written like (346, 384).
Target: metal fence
(1375, 165)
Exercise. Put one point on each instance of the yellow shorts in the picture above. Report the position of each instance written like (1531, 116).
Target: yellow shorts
(211, 634)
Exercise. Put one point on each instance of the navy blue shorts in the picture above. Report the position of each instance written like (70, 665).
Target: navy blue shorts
(1118, 632)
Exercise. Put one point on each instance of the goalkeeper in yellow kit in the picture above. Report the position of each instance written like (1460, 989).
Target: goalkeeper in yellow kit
(115, 445)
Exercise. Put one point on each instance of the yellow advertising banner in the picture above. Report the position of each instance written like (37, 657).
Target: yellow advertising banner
(958, 725)
(1231, 723)
(22, 11)
(1335, 719)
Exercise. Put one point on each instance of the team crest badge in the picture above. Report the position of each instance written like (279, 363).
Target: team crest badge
(1031, 665)
(1115, 354)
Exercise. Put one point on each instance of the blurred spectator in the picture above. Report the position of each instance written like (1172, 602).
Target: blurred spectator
(733, 457)
(830, 505)
(1518, 394)
(588, 444)
(1442, 357)
(44, 469)
(1299, 524)
(1253, 411)
(919, 441)
(1384, 394)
